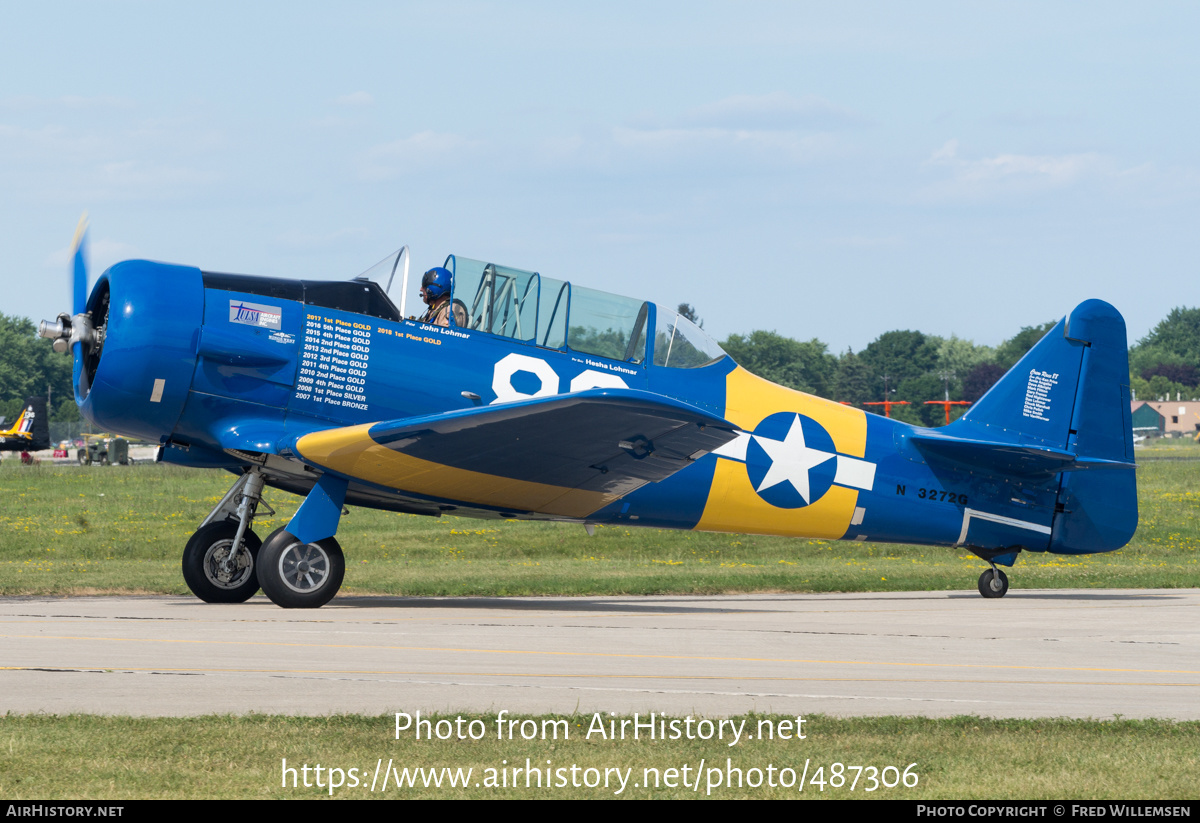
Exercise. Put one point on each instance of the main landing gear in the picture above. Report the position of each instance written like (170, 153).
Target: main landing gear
(298, 575)
(220, 558)
(299, 567)
(214, 571)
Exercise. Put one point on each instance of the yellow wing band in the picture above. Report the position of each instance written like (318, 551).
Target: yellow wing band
(352, 452)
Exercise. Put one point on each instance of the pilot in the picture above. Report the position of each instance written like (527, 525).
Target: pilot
(435, 291)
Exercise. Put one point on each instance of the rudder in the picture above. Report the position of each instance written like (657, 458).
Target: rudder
(1097, 510)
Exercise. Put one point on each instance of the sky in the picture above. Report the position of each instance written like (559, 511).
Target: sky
(824, 170)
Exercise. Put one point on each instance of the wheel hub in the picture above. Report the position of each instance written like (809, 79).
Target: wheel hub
(304, 567)
(225, 569)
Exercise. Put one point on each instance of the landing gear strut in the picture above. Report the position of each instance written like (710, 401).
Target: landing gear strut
(220, 558)
(993, 583)
(301, 566)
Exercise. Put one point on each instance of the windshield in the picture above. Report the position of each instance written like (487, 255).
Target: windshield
(392, 274)
(679, 343)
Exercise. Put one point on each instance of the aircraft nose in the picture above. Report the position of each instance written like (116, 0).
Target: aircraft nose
(146, 317)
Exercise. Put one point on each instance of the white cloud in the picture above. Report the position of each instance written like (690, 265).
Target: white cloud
(1014, 173)
(778, 110)
(48, 142)
(27, 102)
(948, 153)
(99, 161)
(742, 132)
(298, 240)
(423, 151)
(722, 146)
(139, 181)
(866, 242)
(135, 174)
(560, 149)
(358, 98)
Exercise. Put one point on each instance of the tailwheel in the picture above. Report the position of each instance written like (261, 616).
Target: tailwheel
(213, 571)
(993, 583)
(299, 575)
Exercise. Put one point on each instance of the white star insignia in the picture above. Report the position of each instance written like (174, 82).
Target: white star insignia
(791, 460)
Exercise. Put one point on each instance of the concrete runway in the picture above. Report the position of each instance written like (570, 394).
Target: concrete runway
(1095, 653)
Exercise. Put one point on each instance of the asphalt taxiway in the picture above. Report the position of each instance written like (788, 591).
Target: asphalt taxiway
(1035, 653)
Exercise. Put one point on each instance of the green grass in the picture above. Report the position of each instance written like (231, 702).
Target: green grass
(108, 530)
(242, 757)
(71, 530)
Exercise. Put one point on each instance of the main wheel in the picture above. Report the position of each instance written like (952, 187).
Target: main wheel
(205, 567)
(993, 583)
(299, 575)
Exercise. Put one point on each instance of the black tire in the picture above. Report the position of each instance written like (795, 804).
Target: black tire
(299, 575)
(993, 583)
(202, 570)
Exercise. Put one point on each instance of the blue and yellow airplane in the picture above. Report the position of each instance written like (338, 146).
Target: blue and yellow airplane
(31, 431)
(547, 400)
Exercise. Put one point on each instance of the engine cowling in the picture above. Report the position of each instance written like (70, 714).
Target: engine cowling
(135, 375)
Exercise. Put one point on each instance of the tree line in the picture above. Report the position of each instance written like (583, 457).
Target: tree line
(1165, 364)
(898, 365)
(29, 367)
(916, 367)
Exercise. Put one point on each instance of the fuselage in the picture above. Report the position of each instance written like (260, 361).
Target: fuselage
(228, 371)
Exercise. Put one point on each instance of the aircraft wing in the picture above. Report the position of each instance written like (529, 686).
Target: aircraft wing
(566, 455)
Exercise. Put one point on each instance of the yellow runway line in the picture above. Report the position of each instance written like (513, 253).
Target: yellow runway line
(606, 655)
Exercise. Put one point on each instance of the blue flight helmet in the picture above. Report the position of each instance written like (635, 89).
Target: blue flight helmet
(436, 282)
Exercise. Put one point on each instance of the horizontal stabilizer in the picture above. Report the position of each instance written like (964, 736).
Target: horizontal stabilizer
(567, 455)
(1010, 458)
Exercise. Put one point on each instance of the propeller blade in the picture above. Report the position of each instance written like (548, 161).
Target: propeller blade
(79, 266)
(77, 372)
(79, 299)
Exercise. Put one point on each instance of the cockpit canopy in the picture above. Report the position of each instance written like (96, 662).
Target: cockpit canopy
(555, 314)
(524, 305)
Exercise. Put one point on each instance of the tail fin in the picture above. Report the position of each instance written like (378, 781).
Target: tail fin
(41, 424)
(35, 423)
(1070, 393)
(1052, 394)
